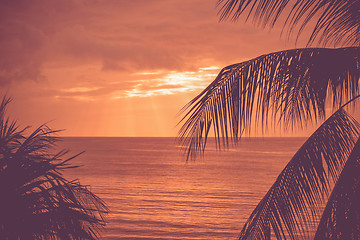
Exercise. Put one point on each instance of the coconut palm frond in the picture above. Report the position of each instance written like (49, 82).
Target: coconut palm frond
(61, 208)
(9, 132)
(341, 217)
(291, 86)
(336, 21)
(264, 12)
(293, 203)
(36, 201)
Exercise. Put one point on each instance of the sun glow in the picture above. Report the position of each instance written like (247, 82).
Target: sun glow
(170, 83)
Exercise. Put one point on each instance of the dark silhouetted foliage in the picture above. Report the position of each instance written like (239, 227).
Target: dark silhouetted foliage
(289, 89)
(36, 201)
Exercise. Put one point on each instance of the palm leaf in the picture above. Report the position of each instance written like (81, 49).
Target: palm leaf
(292, 205)
(9, 133)
(37, 202)
(291, 86)
(341, 217)
(337, 21)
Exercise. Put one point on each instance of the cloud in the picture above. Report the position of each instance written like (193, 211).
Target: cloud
(119, 36)
(143, 84)
(90, 63)
(21, 49)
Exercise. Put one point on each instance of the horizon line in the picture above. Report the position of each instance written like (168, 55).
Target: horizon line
(175, 137)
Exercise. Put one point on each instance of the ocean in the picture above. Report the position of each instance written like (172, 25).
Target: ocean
(153, 193)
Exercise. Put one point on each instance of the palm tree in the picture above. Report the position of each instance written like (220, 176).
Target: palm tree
(36, 201)
(291, 89)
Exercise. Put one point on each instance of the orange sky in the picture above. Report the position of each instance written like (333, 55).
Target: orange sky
(117, 67)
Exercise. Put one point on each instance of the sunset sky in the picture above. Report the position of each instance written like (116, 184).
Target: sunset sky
(117, 67)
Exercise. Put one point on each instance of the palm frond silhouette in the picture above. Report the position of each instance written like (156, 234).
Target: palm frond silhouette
(292, 204)
(36, 201)
(291, 86)
(290, 89)
(341, 216)
(337, 21)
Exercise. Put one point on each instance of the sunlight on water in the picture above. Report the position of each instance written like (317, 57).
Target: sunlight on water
(153, 193)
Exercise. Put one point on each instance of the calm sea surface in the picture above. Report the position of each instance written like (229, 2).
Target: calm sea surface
(153, 193)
